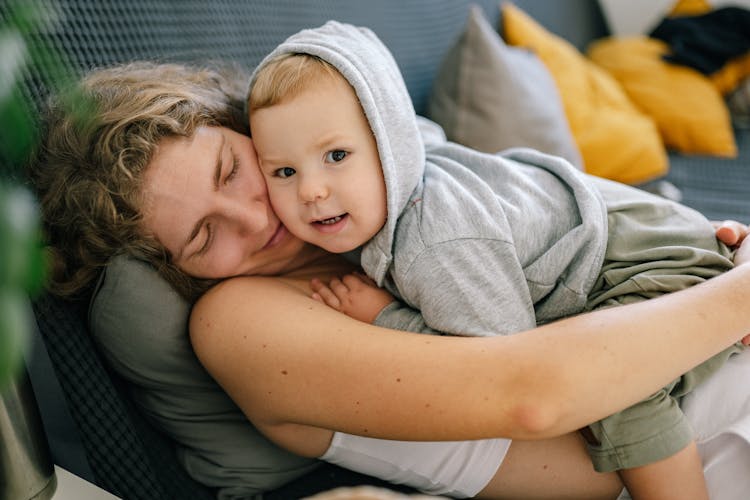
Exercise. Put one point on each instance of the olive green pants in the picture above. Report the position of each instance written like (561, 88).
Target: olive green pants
(653, 250)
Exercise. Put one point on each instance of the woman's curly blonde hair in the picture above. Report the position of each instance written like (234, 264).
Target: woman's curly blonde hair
(97, 141)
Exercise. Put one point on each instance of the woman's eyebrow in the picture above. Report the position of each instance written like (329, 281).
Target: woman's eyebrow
(219, 163)
(216, 179)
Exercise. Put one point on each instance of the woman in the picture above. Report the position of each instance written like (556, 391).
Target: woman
(164, 170)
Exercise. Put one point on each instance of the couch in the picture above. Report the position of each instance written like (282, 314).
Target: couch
(93, 426)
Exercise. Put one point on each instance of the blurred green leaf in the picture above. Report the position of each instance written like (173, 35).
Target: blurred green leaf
(19, 240)
(19, 134)
(14, 331)
(22, 264)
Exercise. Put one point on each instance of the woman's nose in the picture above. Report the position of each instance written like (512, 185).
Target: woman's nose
(312, 188)
(249, 217)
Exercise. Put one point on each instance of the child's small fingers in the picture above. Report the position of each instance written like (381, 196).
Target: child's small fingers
(365, 279)
(329, 298)
(338, 286)
(316, 284)
(352, 280)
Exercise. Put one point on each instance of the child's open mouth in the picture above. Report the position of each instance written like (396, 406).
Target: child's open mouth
(332, 220)
(331, 224)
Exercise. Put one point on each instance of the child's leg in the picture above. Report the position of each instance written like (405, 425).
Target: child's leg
(679, 477)
(558, 468)
(651, 446)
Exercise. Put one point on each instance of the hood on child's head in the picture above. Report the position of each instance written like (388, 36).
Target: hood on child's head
(359, 55)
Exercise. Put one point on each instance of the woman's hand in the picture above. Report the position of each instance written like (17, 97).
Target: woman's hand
(355, 295)
(730, 232)
(733, 233)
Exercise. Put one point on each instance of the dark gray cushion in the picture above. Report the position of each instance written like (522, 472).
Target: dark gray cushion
(490, 96)
(139, 324)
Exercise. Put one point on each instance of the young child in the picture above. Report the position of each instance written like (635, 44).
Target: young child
(480, 244)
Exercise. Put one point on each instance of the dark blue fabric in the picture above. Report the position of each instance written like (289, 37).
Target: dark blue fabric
(708, 41)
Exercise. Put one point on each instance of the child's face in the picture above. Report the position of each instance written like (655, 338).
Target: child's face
(321, 165)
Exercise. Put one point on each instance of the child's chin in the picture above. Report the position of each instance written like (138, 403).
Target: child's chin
(338, 247)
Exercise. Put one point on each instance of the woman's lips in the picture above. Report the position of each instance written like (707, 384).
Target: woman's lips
(277, 236)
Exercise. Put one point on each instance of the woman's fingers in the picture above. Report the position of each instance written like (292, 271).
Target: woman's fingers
(730, 232)
(742, 254)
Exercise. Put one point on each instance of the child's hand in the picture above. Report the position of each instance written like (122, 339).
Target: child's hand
(355, 295)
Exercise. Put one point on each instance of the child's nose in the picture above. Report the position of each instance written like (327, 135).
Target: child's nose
(313, 188)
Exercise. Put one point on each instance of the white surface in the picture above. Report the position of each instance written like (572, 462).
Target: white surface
(719, 410)
(72, 487)
(634, 17)
(638, 17)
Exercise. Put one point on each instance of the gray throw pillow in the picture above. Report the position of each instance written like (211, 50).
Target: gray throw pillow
(139, 324)
(490, 96)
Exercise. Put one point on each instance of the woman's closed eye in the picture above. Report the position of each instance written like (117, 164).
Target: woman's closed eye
(336, 155)
(235, 168)
(284, 172)
(207, 242)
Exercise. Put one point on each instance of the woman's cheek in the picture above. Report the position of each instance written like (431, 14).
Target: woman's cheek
(228, 260)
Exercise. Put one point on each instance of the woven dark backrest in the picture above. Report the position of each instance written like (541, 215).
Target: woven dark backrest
(127, 456)
(94, 33)
(717, 187)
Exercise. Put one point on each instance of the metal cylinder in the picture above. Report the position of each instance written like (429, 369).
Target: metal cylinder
(26, 468)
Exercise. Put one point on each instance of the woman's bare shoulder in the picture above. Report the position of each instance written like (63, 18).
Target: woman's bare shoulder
(238, 301)
(242, 287)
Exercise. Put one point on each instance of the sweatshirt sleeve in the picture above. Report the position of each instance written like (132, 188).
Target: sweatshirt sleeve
(399, 316)
(471, 287)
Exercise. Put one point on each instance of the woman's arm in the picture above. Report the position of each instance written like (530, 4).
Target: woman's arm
(289, 360)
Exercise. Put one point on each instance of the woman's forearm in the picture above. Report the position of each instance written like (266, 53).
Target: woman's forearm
(640, 348)
(286, 359)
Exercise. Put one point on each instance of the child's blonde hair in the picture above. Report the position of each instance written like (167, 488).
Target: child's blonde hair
(285, 76)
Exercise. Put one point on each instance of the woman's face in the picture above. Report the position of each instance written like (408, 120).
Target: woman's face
(205, 200)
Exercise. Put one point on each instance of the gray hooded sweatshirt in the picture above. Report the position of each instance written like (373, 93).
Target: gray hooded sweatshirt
(481, 244)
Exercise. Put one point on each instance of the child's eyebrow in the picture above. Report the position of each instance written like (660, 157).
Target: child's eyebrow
(331, 139)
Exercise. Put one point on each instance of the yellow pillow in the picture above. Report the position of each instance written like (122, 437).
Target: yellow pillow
(615, 139)
(690, 7)
(688, 109)
(731, 74)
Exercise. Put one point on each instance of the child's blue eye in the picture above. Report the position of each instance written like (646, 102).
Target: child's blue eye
(336, 155)
(285, 172)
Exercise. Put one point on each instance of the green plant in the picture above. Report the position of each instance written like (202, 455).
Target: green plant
(22, 266)
(21, 273)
